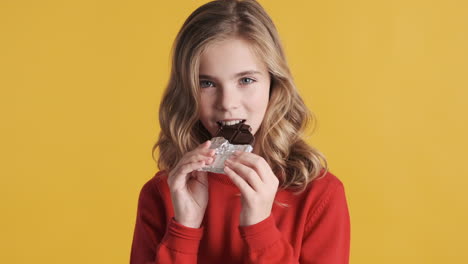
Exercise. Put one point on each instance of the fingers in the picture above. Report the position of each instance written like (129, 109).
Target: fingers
(252, 161)
(205, 145)
(253, 169)
(188, 168)
(202, 152)
(200, 156)
(200, 177)
(178, 177)
(243, 186)
(246, 173)
(191, 161)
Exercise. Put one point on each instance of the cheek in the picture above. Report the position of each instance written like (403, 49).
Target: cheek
(256, 104)
(205, 114)
(258, 99)
(205, 107)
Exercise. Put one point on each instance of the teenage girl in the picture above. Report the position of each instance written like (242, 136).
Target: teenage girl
(277, 204)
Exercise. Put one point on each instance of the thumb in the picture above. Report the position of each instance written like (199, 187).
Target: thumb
(201, 176)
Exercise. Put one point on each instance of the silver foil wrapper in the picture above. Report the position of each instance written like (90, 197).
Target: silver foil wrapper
(223, 151)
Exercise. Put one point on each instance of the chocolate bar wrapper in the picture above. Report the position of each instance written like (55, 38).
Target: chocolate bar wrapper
(223, 151)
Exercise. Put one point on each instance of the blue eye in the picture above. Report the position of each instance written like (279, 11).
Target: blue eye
(247, 80)
(205, 84)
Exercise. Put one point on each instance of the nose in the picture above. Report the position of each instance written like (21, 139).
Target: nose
(228, 99)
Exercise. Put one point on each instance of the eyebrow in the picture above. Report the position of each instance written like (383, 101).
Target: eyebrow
(251, 72)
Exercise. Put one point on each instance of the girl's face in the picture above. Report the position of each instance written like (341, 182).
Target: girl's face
(234, 85)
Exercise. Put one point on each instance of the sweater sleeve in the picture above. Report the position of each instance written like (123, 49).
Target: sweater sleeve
(327, 236)
(266, 244)
(154, 240)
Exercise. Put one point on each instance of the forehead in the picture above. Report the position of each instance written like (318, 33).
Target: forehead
(230, 56)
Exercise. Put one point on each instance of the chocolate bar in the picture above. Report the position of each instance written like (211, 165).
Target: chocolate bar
(238, 134)
(227, 140)
(223, 151)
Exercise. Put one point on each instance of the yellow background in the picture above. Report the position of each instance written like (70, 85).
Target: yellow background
(81, 83)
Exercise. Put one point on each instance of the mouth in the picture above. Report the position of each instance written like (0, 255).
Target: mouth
(222, 123)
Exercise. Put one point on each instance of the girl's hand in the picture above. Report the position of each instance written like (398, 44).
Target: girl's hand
(257, 183)
(189, 188)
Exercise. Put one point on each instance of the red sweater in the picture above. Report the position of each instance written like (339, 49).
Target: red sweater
(314, 228)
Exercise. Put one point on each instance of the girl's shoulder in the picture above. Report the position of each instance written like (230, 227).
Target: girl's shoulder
(326, 184)
(323, 195)
(156, 185)
(317, 189)
(324, 181)
(159, 177)
(329, 180)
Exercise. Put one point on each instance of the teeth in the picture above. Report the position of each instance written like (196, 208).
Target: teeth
(230, 123)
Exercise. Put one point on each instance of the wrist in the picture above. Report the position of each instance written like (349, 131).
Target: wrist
(191, 224)
(181, 238)
(252, 220)
(261, 234)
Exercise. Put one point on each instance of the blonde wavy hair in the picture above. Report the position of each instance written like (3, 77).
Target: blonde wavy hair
(281, 135)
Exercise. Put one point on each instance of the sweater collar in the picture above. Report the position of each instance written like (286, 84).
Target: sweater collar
(221, 178)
